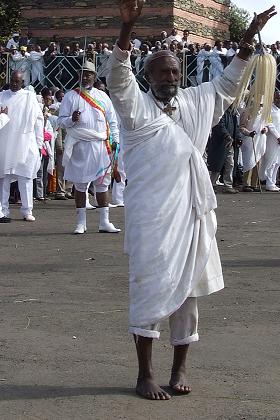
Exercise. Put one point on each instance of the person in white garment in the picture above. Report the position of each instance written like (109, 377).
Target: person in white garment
(36, 58)
(20, 141)
(20, 61)
(217, 59)
(4, 119)
(252, 148)
(170, 224)
(13, 42)
(90, 120)
(271, 160)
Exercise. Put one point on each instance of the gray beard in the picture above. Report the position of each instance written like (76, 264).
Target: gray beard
(164, 95)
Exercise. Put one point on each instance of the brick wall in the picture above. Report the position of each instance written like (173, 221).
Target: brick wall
(206, 19)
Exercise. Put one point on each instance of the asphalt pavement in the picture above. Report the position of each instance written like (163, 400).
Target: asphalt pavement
(65, 350)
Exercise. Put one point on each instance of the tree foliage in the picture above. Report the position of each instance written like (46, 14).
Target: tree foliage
(239, 22)
(9, 18)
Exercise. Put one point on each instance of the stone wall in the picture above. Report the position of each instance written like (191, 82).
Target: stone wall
(99, 19)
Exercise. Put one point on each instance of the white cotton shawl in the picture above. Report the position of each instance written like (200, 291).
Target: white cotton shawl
(169, 237)
(18, 138)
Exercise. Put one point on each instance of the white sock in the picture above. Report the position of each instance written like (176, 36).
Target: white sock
(103, 216)
(87, 198)
(81, 216)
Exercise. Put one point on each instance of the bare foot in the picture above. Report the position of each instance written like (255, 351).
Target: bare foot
(147, 388)
(178, 382)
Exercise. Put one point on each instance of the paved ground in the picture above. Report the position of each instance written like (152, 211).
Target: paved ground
(64, 349)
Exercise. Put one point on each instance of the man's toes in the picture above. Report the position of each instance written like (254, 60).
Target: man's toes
(166, 396)
(162, 395)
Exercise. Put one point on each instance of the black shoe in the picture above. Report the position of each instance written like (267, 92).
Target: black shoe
(246, 188)
(5, 219)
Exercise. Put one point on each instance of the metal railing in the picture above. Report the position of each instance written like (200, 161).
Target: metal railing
(4, 69)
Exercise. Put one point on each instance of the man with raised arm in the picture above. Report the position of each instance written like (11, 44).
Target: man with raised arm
(169, 200)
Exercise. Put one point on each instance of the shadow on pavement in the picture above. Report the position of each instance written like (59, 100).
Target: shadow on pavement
(18, 392)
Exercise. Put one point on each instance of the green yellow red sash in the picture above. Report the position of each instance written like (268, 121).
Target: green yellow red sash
(94, 103)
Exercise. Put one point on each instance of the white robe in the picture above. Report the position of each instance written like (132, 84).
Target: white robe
(22, 137)
(248, 156)
(4, 119)
(37, 66)
(272, 153)
(170, 223)
(85, 155)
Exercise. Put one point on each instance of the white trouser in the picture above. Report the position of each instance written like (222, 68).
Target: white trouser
(117, 190)
(25, 186)
(183, 325)
(271, 174)
(100, 187)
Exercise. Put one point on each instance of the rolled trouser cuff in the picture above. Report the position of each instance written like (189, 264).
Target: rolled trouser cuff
(144, 333)
(187, 340)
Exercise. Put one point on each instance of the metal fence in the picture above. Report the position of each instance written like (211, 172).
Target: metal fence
(4, 69)
(63, 71)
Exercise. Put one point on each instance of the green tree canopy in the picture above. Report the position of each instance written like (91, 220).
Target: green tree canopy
(239, 22)
(9, 18)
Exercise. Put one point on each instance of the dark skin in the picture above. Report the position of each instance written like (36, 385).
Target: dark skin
(164, 78)
(16, 82)
(87, 81)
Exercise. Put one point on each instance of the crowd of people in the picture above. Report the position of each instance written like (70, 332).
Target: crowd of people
(57, 63)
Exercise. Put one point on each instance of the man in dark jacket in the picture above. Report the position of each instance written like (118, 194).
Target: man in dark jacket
(223, 150)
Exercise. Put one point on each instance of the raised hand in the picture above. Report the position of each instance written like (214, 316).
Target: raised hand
(130, 10)
(258, 23)
(261, 20)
